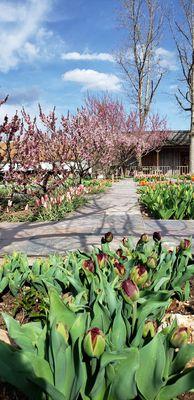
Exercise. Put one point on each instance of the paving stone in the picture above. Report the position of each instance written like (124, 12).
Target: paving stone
(117, 210)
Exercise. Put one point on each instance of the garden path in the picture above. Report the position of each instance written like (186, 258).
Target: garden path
(117, 211)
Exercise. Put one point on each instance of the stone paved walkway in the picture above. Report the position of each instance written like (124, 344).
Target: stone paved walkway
(117, 211)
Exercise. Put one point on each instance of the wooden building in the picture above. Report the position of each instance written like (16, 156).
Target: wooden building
(173, 157)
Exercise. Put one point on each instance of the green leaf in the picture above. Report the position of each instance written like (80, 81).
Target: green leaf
(182, 384)
(25, 336)
(124, 385)
(184, 355)
(59, 312)
(16, 369)
(119, 332)
(149, 376)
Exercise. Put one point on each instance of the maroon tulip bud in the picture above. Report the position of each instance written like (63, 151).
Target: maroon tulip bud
(108, 237)
(125, 241)
(119, 252)
(144, 238)
(94, 343)
(119, 268)
(185, 244)
(180, 337)
(102, 259)
(139, 274)
(88, 265)
(130, 291)
(157, 236)
(152, 262)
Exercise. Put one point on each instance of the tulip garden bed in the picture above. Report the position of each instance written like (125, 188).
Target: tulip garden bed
(90, 325)
(167, 200)
(34, 205)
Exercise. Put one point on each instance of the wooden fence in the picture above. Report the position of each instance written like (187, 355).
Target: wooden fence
(162, 170)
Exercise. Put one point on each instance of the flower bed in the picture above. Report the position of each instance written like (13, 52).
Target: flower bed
(171, 200)
(162, 177)
(52, 206)
(93, 326)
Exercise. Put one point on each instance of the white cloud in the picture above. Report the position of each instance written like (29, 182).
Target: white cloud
(167, 59)
(91, 79)
(23, 35)
(76, 56)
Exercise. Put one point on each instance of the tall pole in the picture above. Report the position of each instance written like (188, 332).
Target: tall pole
(191, 158)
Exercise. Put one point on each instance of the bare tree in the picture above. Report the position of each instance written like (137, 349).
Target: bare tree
(142, 21)
(184, 38)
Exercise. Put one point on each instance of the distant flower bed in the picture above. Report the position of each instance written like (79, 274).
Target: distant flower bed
(168, 200)
(145, 179)
(52, 206)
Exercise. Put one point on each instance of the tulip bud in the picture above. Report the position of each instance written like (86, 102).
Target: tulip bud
(60, 328)
(108, 237)
(157, 236)
(144, 238)
(119, 252)
(102, 259)
(125, 241)
(139, 274)
(130, 290)
(94, 342)
(150, 327)
(151, 262)
(185, 244)
(119, 268)
(180, 337)
(88, 265)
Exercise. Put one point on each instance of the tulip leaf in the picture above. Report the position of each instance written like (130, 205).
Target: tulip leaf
(124, 385)
(26, 335)
(149, 376)
(119, 332)
(182, 384)
(184, 355)
(16, 369)
(59, 312)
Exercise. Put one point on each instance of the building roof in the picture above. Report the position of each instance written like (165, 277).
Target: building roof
(178, 138)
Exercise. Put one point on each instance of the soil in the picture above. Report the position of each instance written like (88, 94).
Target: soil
(7, 392)
(8, 305)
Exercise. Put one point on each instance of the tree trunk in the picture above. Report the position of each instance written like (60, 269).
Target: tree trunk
(191, 159)
(139, 161)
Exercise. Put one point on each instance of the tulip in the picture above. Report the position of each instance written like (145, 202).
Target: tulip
(185, 244)
(157, 236)
(125, 241)
(60, 328)
(119, 268)
(150, 327)
(144, 238)
(88, 265)
(139, 274)
(102, 259)
(130, 291)
(180, 337)
(108, 237)
(94, 342)
(119, 252)
(152, 262)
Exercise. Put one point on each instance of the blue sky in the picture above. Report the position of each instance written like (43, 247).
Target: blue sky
(53, 51)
